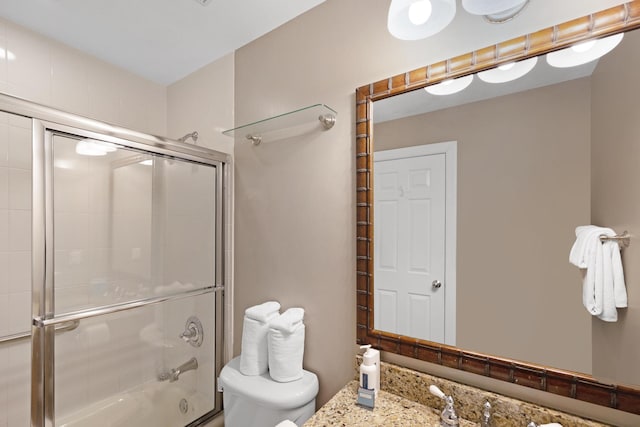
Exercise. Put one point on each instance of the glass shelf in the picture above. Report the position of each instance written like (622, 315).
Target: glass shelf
(286, 125)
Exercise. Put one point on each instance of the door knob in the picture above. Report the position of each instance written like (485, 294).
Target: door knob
(436, 284)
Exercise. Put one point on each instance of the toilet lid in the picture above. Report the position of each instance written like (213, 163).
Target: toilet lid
(264, 390)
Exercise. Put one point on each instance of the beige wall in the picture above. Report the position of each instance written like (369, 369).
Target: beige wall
(295, 214)
(523, 187)
(615, 203)
(53, 74)
(203, 102)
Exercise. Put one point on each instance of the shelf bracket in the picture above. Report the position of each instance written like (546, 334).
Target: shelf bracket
(327, 120)
(255, 139)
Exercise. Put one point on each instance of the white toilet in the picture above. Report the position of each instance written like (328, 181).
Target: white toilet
(259, 401)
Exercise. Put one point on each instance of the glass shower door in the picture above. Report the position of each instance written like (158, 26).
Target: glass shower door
(133, 237)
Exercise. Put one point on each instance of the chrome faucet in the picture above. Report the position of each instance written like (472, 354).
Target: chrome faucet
(174, 374)
(448, 417)
(486, 415)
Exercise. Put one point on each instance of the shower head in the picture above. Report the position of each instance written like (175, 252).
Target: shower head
(193, 135)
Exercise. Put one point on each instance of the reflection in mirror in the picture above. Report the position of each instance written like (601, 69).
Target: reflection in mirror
(536, 157)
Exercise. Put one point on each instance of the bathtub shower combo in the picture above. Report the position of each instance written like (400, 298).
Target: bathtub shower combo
(111, 273)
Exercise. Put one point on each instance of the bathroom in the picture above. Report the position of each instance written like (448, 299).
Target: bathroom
(294, 229)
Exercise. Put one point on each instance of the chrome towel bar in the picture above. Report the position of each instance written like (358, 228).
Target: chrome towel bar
(624, 239)
(115, 308)
(63, 327)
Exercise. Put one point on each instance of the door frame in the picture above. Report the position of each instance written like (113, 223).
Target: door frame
(450, 151)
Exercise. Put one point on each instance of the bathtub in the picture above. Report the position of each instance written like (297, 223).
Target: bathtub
(153, 404)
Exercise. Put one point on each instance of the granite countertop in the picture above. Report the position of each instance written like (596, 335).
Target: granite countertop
(390, 410)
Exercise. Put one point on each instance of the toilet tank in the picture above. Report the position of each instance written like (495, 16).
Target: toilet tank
(259, 401)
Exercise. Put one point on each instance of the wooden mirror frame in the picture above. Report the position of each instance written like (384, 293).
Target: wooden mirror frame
(560, 382)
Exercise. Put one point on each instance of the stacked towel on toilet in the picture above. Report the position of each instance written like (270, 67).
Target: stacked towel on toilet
(254, 359)
(603, 288)
(286, 345)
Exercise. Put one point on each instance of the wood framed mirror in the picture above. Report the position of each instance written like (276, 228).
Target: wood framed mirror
(519, 370)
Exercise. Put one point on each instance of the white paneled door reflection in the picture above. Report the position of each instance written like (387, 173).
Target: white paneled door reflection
(409, 212)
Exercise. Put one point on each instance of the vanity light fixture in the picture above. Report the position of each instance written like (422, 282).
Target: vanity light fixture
(584, 52)
(419, 19)
(508, 72)
(450, 86)
(495, 11)
(91, 147)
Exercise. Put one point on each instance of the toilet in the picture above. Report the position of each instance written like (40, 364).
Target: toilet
(259, 401)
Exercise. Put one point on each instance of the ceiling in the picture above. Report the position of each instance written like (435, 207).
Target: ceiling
(161, 40)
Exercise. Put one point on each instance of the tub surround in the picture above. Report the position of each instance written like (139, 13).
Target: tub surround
(405, 400)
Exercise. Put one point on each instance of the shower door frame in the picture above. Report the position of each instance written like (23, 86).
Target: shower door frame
(47, 122)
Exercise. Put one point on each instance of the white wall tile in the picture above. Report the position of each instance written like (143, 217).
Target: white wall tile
(4, 230)
(4, 386)
(19, 230)
(4, 188)
(19, 383)
(72, 231)
(4, 319)
(4, 141)
(19, 272)
(71, 298)
(69, 80)
(19, 121)
(3, 58)
(4, 273)
(19, 189)
(29, 74)
(19, 147)
(19, 312)
(72, 371)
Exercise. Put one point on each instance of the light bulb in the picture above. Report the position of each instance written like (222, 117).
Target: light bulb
(507, 66)
(584, 46)
(420, 12)
(450, 86)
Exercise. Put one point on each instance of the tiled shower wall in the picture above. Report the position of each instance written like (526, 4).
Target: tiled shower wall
(15, 266)
(47, 72)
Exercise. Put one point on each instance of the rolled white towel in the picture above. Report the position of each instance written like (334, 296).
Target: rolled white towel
(254, 358)
(286, 346)
(263, 312)
(288, 321)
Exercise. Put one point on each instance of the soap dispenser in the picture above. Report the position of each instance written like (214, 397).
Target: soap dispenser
(370, 369)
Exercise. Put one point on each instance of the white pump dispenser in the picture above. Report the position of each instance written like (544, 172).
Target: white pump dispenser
(370, 369)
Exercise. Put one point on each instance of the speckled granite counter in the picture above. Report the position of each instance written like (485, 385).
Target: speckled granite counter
(405, 401)
(390, 410)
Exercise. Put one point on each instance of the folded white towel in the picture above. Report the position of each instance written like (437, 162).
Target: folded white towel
(254, 358)
(286, 346)
(603, 288)
(263, 312)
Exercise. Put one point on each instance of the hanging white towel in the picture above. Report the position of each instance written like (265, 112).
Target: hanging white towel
(254, 358)
(286, 346)
(603, 288)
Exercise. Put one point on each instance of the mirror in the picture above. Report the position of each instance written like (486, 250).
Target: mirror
(533, 159)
